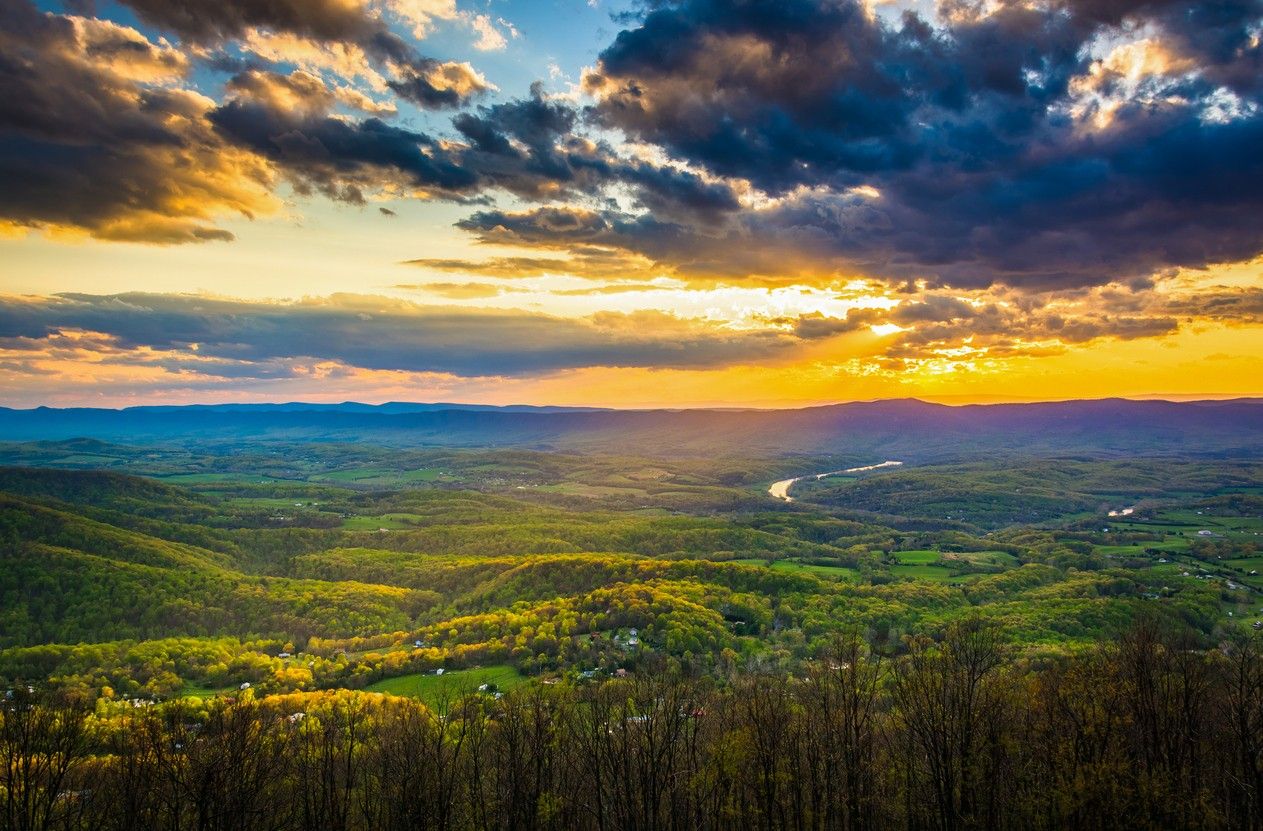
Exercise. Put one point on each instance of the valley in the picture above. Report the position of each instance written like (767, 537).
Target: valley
(334, 595)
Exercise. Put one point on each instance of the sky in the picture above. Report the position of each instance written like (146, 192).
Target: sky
(639, 204)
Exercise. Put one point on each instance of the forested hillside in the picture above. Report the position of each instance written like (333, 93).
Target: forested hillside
(662, 635)
(549, 570)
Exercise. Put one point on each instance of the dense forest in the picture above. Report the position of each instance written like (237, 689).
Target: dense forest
(957, 732)
(281, 635)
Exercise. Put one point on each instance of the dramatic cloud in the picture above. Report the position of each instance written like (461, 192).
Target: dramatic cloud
(87, 144)
(288, 121)
(1047, 145)
(429, 83)
(380, 334)
(341, 35)
(228, 19)
(936, 326)
(97, 133)
(216, 335)
(997, 145)
(856, 187)
(1221, 304)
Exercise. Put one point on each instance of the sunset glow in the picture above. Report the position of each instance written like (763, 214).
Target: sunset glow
(527, 203)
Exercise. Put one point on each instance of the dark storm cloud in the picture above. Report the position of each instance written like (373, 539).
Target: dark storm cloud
(976, 132)
(528, 148)
(336, 156)
(756, 89)
(381, 334)
(535, 121)
(793, 240)
(524, 147)
(557, 226)
(807, 138)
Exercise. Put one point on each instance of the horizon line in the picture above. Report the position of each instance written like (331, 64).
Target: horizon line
(944, 401)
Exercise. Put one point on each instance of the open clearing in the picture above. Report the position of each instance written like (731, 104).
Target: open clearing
(431, 688)
(842, 572)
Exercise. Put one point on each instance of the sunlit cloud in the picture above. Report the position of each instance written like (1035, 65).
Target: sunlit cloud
(793, 203)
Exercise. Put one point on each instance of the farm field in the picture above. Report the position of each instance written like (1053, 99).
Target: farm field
(434, 689)
(934, 573)
(391, 522)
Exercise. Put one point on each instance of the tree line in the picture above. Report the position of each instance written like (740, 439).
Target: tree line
(1146, 731)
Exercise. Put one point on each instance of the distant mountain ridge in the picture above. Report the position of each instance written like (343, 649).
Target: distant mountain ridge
(356, 407)
(909, 427)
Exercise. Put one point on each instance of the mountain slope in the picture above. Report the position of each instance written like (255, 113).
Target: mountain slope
(904, 428)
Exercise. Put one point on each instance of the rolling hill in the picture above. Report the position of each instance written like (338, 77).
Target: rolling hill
(910, 429)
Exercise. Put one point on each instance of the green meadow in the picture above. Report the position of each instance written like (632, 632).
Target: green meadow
(434, 689)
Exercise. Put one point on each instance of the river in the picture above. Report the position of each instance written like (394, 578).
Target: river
(780, 490)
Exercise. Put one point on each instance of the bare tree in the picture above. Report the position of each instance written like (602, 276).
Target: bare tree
(42, 742)
(953, 706)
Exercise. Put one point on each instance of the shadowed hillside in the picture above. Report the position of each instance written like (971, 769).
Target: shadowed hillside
(910, 429)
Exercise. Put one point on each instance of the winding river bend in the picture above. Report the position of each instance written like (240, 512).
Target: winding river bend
(780, 490)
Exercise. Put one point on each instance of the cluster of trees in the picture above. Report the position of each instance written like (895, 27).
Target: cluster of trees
(1144, 732)
(54, 594)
